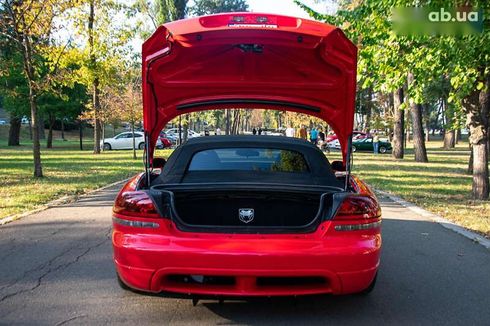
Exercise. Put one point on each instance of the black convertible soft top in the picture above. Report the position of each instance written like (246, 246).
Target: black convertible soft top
(176, 169)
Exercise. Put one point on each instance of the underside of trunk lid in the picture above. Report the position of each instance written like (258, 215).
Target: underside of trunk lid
(249, 60)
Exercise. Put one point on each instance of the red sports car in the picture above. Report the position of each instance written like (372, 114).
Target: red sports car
(355, 135)
(165, 141)
(247, 215)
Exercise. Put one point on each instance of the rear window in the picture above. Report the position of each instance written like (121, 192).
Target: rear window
(248, 159)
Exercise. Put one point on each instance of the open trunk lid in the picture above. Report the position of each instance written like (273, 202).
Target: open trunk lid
(249, 60)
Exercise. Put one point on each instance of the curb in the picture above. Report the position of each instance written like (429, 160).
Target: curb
(440, 220)
(57, 202)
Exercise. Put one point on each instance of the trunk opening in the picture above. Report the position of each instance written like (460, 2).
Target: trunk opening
(245, 209)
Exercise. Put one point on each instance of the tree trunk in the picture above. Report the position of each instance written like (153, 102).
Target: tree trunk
(399, 124)
(426, 122)
(185, 134)
(449, 139)
(102, 135)
(14, 130)
(95, 83)
(236, 122)
(480, 189)
(180, 130)
(29, 72)
(30, 128)
(227, 129)
(418, 133)
(470, 161)
(369, 105)
(218, 120)
(40, 124)
(49, 140)
(80, 133)
(96, 119)
(417, 127)
(36, 146)
(449, 135)
(477, 109)
(63, 129)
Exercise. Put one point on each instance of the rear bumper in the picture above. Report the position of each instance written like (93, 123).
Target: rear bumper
(247, 265)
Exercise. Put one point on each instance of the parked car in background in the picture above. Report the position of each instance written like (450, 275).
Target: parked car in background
(355, 135)
(166, 141)
(333, 144)
(172, 137)
(366, 144)
(24, 120)
(174, 132)
(3, 122)
(125, 141)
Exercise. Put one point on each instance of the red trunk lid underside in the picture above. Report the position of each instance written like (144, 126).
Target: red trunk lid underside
(249, 60)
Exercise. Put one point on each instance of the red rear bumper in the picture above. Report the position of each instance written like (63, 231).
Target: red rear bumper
(246, 265)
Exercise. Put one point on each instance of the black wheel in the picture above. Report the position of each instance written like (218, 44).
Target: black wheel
(354, 148)
(382, 149)
(107, 147)
(141, 146)
(371, 286)
(122, 284)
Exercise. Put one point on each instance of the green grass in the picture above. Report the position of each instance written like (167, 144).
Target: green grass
(441, 186)
(67, 171)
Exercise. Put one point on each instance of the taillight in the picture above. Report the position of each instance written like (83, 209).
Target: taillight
(356, 207)
(135, 203)
(363, 212)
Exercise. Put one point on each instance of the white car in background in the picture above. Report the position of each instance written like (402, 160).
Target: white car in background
(335, 144)
(125, 141)
(174, 132)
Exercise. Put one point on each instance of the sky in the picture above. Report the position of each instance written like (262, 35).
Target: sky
(289, 8)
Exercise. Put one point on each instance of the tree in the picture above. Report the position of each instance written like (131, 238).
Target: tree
(14, 91)
(105, 46)
(125, 100)
(158, 12)
(95, 78)
(30, 25)
(463, 60)
(207, 7)
(64, 105)
(469, 73)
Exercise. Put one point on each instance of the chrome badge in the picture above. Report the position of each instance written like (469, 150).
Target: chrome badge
(246, 215)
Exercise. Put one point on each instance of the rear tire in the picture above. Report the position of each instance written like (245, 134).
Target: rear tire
(141, 146)
(107, 147)
(354, 148)
(121, 283)
(382, 150)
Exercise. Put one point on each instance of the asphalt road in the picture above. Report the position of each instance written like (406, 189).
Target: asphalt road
(56, 269)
